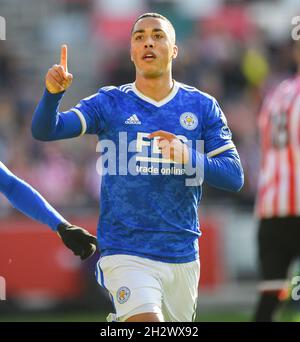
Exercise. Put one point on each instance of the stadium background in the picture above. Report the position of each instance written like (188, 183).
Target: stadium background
(234, 50)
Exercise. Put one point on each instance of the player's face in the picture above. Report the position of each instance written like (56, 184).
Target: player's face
(152, 47)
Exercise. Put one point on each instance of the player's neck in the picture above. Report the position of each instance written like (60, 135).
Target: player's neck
(157, 88)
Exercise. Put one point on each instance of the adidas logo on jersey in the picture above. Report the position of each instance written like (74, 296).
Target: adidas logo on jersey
(133, 120)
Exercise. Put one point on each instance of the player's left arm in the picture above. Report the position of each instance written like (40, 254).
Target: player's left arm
(222, 164)
(220, 161)
(223, 170)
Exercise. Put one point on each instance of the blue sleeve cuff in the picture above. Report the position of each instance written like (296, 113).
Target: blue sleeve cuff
(47, 96)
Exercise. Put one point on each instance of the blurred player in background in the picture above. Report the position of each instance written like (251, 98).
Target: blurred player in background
(148, 228)
(278, 200)
(27, 200)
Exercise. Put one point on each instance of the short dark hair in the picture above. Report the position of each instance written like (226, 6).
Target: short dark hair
(154, 15)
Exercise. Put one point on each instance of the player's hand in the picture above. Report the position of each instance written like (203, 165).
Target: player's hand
(79, 240)
(171, 147)
(58, 79)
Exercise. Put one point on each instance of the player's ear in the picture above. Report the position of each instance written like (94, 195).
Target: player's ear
(175, 51)
(131, 57)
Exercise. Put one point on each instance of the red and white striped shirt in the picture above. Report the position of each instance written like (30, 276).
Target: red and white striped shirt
(279, 178)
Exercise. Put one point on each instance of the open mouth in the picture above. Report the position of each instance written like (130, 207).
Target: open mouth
(149, 57)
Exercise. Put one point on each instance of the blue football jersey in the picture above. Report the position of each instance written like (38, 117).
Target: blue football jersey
(150, 212)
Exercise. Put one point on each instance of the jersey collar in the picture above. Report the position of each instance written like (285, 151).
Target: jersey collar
(157, 103)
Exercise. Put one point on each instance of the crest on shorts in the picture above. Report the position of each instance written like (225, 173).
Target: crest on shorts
(123, 294)
(188, 120)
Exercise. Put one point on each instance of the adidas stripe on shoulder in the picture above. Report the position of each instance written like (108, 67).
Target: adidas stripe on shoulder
(195, 90)
(108, 88)
(125, 88)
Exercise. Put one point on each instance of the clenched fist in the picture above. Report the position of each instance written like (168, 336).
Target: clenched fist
(58, 79)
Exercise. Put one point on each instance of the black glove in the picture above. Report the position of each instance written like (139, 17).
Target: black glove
(79, 240)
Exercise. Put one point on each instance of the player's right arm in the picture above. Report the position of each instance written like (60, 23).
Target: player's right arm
(30, 202)
(27, 200)
(50, 124)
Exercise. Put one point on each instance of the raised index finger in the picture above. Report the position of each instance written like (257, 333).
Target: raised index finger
(163, 134)
(64, 57)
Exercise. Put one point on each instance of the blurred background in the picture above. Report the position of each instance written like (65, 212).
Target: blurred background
(234, 50)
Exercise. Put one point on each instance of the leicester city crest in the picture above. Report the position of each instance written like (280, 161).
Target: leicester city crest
(123, 294)
(188, 120)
